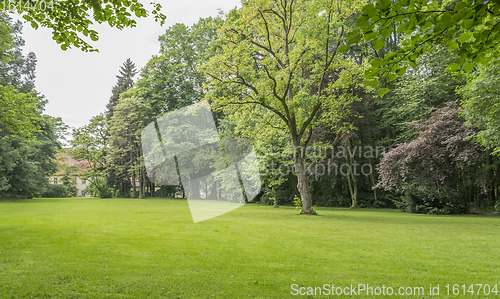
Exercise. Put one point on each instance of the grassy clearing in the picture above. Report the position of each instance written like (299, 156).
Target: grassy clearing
(118, 248)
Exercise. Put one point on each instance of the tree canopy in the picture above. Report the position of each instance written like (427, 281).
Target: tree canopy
(482, 104)
(125, 81)
(470, 28)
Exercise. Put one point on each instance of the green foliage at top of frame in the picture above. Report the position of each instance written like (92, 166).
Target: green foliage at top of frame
(70, 20)
(467, 26)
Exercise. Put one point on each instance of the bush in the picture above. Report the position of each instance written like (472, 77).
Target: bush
(168, 191)
(106, 193)
(56, 191)
(297, 202)
(384, 200)
(312, 210)
(416, 204)
(99, 188)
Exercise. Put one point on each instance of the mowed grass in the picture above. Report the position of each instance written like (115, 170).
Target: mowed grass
(150, 248)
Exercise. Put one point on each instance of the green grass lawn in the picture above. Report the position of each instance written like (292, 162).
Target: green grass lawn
(132, 248)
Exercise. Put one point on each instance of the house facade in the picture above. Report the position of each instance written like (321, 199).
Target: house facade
(74, 168)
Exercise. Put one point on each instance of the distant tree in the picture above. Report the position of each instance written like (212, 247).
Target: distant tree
(90, 146)
(125, 81)
(6, 38)
(19, 105)
(274, 160)
(170, 80)
(68, 181)
(16, 69)
(481, 102)
(130, 118)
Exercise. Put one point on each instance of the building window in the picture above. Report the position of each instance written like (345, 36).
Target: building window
(55, 181)
(84, 182)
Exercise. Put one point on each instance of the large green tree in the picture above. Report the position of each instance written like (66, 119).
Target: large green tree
(17, 69)
(170, 80)
(282, 64)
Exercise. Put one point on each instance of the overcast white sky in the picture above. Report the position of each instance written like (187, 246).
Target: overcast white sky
(77, 84)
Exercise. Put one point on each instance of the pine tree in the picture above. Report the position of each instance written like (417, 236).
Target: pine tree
(125, 81)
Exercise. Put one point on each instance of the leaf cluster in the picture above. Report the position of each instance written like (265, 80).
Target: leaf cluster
(469, 27)
(70, 20)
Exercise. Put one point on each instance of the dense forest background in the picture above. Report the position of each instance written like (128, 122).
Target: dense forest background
(288, 79)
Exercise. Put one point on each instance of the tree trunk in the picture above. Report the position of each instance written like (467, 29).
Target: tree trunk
(275, 195)
(471, 197)
(141, 183)
(373, 182)
(144, 180)
(491, 179)
(152, 189)
(302, 183)
(134, 194)
(219, 191)
(351, 178)
(389, 135)
(299, 160)
(213, 190)
(498, 193)
(206, 188)
(193, 189)
(353, 189)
